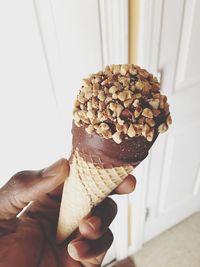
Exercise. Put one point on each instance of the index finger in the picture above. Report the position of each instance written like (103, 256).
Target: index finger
(127, 186)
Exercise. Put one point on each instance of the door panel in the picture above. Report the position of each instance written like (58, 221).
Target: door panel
(173, 184)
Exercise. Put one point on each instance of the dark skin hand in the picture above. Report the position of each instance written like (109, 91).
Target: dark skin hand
(29, 239)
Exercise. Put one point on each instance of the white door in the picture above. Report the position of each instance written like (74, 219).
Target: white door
(173, 176)
(46, 48)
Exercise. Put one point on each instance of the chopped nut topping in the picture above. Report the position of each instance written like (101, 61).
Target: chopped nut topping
(116, 69)
(76, 117)
(137, 96)
(104, 126)
(169, 120)
(139, 85)
(154, 103)
(113, 89)
(124, 69)
(89, 106)
(137, 112)
(114, 96)
(128, 102)
(88, 95)
(122, 96)
(119, 127)
(107, 134)
(120, 121)
(150, 122)
(90, 129)
(150, 135)
(101, 96)
(117, 138)
(127, 98)
(90, 114)
(156, 112)
(131, 131)
(162, 128)
(147, 113)
(136, 103)
(145, 130)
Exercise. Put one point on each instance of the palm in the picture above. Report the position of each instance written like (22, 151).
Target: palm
(30, 241)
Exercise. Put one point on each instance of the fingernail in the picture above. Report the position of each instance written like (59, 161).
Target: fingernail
(93, 223)
(77, 249)
(72, 251)
(52, 170)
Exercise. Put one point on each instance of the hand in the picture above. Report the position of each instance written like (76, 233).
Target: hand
(29, 239)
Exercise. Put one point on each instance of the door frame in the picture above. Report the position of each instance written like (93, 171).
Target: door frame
(149, 34)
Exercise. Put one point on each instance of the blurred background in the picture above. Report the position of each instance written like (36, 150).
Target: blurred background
(47, 47)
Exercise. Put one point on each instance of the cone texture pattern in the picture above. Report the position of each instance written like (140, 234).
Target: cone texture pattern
(86, 186)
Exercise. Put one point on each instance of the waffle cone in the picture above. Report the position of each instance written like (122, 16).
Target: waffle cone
(86, 186)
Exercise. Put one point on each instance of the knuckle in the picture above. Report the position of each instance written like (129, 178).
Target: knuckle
(112, 204)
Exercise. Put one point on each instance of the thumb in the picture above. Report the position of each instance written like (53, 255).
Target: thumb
(28, 186)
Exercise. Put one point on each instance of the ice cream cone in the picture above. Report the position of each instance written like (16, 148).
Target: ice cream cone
(118, 115)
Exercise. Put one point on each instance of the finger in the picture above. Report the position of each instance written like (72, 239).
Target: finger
(28, 186)
(96, 224)
(89, 250)
(95, 262)
(127, 186)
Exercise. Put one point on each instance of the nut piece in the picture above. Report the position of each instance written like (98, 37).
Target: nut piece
(116, 69)
(107, 134)
(156, 112)
(126, 113)
(90, 114)
(154, 103)
(88, 95)
(147, 113)
(136, 103)
(120, 121)
(124, 69)
(81, 98)
(163, 100)
(104, 126)
(131, 131)
(78, 124)
(137, 112)
(150, 135)
(166, 108)
(119, 128)
(90, 129)
(101, 96)
(113, 89)
(132, 71)
(169, 120)
(162, 128)
(86, 82)
(89, 105)
(145, 130)
(150, 122)
(122, 96)
(138, 128)
(137, 96)
(102, 106)
(114, 96)
(128, 103)
(115, 107)
(117, 138)
(139, 85)
(76, 117)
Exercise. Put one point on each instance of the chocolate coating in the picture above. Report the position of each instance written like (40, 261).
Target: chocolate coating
(106, 152)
